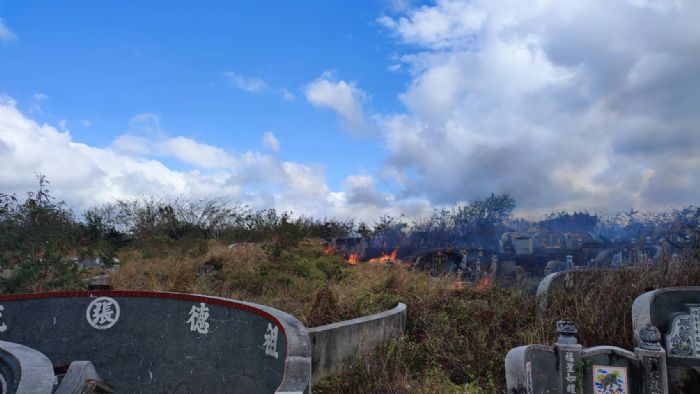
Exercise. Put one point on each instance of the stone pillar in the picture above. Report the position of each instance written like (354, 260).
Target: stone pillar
(568, 351)
(477, 265)
(653, 359)
(494, 266)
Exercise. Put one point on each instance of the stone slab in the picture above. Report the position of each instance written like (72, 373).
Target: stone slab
(334, 345)
(24, 370)
(163, 342)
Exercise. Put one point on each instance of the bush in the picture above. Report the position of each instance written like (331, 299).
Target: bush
(35, 237)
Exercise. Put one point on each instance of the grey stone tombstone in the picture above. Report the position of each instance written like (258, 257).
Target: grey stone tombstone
(24, 370)
(568, 353)
(531, 369)
(494, 265)
(155, 342)
(534, 369)
(676, 313)
(568, 368)
(653, 358)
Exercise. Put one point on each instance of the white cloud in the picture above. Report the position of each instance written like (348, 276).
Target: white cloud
(35, 103)
(447, 23)
(6, 35)
(342, 97)
(147, 138)
(399, 5)
(394, 68)
(256, 85)
(361, 200)
(145, 123)
(131, 167)
(80, 174)
(86, 122)
(132, 145)
(271, 142)
(249, 84)
(659, 5)
(287, 95)
(195, 153)
(571, 104)
(361, 191)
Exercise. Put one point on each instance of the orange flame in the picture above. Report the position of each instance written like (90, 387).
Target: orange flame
(385, 258)
(329, 249)
(353, 259)
(456, 285)
(483, 285)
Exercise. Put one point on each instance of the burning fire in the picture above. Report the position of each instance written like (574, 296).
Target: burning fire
(353, 259)
(483, 284)
(329, 249)
(456, 285)
(385, 258)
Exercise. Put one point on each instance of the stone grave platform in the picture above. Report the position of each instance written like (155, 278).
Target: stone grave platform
(676, 312)
(569, 368)
(164, 342)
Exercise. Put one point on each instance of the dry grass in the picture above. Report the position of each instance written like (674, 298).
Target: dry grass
(297, 282)
(601, 302)
(456, 339)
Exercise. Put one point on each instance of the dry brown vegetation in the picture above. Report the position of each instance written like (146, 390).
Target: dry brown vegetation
(456, 339)
(304, 281)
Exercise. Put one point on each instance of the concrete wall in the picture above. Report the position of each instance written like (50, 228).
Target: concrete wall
(334, 345)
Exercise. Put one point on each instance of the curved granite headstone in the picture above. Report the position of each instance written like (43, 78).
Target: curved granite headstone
(164, 342)
(24, 370)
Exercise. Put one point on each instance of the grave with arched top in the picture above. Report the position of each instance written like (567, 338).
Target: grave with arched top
(164, 342)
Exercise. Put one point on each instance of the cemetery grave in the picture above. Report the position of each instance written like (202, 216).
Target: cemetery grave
(156, 342)
(568, 368)
(676, 312)
(666, 358)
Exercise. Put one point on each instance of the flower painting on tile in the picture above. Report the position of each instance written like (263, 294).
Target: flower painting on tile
(609, 380)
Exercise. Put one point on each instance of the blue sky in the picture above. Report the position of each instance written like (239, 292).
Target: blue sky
(355, 108)
(106, 62)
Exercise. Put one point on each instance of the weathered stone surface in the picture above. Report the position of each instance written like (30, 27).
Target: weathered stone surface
(24, 370)
(165, 342)
(609, 358)
(568, 368)
(650, 338)
(568, 353)
(531, 369)
(566, 331)
(334, 344)
(82, 377)
(658, 308)
(569, 279)
(671, 310)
